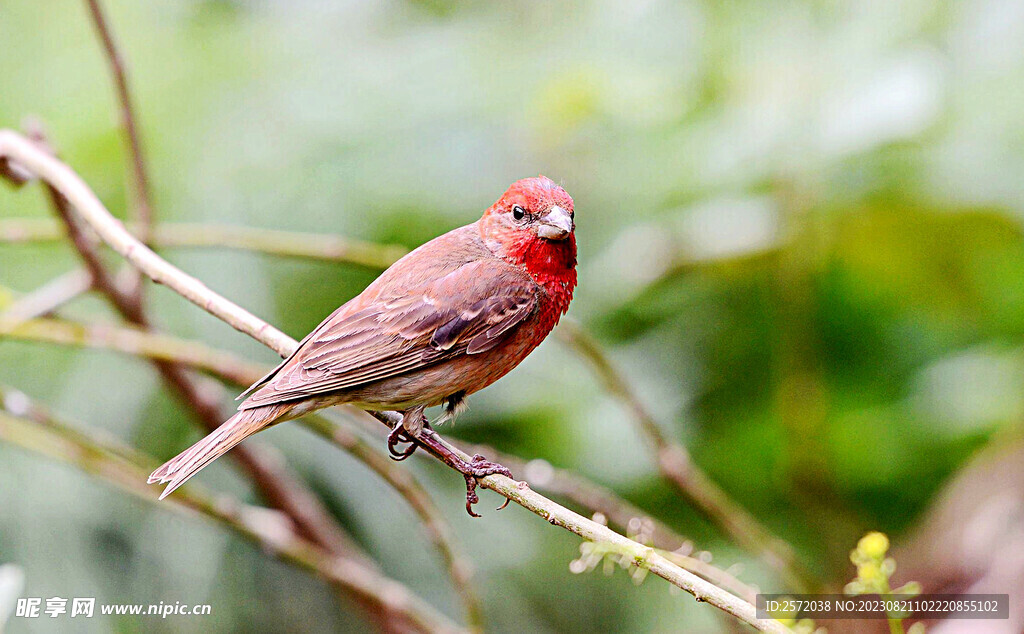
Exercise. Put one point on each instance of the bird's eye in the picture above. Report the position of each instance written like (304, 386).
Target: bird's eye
(518, 212)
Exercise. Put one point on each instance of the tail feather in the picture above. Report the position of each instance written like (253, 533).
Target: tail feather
(179, 469)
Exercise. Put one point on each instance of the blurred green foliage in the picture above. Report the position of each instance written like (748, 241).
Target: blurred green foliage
(800, 229)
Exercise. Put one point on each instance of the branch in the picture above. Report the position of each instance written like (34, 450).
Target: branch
(134, 341)
(639, 555)
(631, 519)
(272, 479)
(310, 246)
(91, 210)
(140, 175)
(678, 469)
(37, 431)
(48, 297)
(607, 506)
(438, 529)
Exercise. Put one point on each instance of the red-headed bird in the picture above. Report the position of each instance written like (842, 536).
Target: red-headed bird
(446, 320)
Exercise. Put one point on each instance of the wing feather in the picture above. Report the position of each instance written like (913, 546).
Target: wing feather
(467, 311)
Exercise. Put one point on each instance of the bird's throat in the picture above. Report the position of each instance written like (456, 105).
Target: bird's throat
(552, 264)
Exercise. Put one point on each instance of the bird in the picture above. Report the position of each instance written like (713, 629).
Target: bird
(446, 320)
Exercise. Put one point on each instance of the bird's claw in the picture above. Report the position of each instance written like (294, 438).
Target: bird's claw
(473, 469)
(480, 467)
(400, 435)
(471, 496)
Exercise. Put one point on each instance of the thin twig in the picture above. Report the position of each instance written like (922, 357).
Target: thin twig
(295, 244)
(48, 297)
(134, 341)
(615, 511)
(28, 426)
(91, 210)
(140, 175)
(678, 469)
(603, 503)
(586, 494)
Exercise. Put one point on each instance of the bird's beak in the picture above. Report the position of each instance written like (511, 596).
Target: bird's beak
(555, 225)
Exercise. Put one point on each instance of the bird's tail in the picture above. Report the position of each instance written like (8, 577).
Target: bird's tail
(234, 430)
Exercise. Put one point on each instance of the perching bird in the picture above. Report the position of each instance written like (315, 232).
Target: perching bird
(446, 320)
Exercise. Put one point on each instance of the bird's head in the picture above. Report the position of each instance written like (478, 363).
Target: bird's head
(533, 224)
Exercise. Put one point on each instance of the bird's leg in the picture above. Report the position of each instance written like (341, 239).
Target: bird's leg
(477, 467)
(417, 432)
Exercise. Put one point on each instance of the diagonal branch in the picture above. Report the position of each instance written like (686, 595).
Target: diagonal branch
(275, 483)
(89, 208)
(607, 506)
(419, 499)
(28, 426)
(639, 555)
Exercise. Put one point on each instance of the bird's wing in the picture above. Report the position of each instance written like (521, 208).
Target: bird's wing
(468, 311)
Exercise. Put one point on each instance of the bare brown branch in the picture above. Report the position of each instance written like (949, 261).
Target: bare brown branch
(140, 175)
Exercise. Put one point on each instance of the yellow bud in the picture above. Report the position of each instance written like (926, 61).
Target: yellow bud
(874, 545)
(870, 574)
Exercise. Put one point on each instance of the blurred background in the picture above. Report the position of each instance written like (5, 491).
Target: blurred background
(801, 234)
